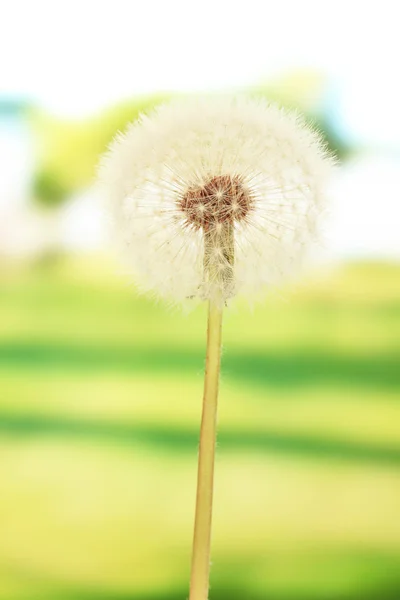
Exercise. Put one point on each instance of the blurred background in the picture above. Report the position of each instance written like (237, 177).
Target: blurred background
(100, 389)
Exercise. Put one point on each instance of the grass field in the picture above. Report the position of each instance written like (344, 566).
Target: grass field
(100, 399)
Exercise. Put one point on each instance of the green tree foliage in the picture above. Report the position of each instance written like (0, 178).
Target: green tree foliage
(68, 151)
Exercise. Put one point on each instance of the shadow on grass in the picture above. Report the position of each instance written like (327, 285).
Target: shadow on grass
(283, 369)
(186, 440)
(45, 588)
(234, 592)
(238, 593)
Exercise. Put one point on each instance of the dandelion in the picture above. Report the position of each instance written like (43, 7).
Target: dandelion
(214, 198)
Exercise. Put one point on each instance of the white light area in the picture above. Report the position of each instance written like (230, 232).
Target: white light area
(16, 165)
(365, 211)
(367, 109)
(78, 56)
(25, 233)
(83, 225)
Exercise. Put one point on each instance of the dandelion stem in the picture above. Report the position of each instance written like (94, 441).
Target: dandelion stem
(199, 581)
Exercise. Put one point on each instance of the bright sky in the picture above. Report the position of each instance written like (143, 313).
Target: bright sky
(78, 56)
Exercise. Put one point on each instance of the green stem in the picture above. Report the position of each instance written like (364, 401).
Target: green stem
(199, 581)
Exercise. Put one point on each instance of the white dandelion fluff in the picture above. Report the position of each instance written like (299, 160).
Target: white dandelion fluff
(215, 197)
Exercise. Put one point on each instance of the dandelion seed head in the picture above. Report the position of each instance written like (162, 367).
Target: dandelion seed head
(215, 196)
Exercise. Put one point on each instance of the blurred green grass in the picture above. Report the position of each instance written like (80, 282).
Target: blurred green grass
(100, 400)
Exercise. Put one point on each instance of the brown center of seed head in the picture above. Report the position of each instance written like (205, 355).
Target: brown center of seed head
(223, 199)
